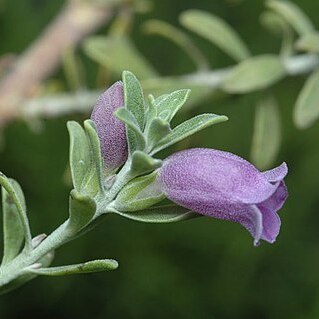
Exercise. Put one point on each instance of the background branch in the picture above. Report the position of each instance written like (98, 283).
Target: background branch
(76, 19)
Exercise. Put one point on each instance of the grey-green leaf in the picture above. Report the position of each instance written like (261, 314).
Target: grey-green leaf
(15, 193)
(139, 194)
(216, 31)
(87, 267)
(254, 74)
(159, 86)
(118, 54)
(306, 110)
(13, 232)
(158, 129)
(309, 42)
(143, 163)
(136, 137)
(81, 209)
(292, 14)
(161, 214)
(267, 133)
(80, 154)
(96, 158)
(168, 106)
(188, 128)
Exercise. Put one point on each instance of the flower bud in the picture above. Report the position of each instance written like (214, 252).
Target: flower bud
(222, 185)
(111, 130)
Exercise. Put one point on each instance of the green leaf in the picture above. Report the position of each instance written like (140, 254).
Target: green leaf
(306, 110)
(254, 74)
(158, 129)
(292, 14)
(137, 140)
(95, 181)
(139, 194)
(13, 232)
(309, 42)
(267, 133)
(159, 86)
(143, 163)
(81, 209)
(188, 128)
(216, 31)
(161, 214)
(80, 154)
(15, 193)
(87, 267)
(118, 54)
(170, 104)
(134, 102)
(180, 38)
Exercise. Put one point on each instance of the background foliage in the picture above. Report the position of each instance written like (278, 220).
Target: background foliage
(203, 268)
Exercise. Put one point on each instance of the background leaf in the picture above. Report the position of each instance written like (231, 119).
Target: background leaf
(306, 110)
(267, 133)
(254, 74)
(216, 31)
(118, 54)
(292, 14)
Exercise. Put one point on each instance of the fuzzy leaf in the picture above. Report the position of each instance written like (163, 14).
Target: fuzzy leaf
(254, 74)
(292, 14)
(161, 214)
(95, 180)
(136, 140)
(87, 267)
(188, 128)
(80, 154)
(143, 163)
(15, 193)
(267, 133)
(168, 106)
(158, 129)
(134, 102)
(306, 110)
(216, 31)
(159, 86)
(13, 232)
(81, 209)
(118, 54)
(139, 194)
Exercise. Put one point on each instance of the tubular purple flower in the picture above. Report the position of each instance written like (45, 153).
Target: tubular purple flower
(111, 131)
(222, 185)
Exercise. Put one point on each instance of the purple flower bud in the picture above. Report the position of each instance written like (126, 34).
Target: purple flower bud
(222, 185)
(111, 131)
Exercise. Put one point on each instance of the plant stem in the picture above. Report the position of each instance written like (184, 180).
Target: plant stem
(82, 101)
(18, 266)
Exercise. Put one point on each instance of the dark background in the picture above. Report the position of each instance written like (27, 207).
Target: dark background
(203, 268)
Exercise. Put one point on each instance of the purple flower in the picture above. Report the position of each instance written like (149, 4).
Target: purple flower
(111, 131)
(222, 185)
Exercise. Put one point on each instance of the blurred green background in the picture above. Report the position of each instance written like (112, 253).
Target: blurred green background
(201, 268)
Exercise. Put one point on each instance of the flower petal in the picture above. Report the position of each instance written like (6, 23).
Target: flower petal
(276, 174)
(111, 130)
(271, 225)
(276, 201)
(222, 177)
